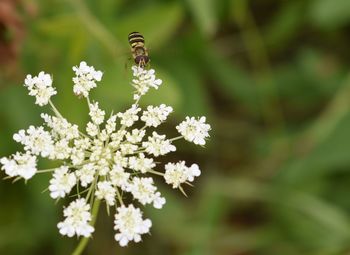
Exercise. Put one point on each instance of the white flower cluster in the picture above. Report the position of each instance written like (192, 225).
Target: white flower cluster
(20, 164)
(154, 116)
(143, 81)
(178, 173)
(113, 160)
(77, 219)
(41, 87)
(128, 221)
(85, 79)
(194, 130)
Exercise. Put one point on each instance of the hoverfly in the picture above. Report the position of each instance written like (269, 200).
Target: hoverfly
(138, 49)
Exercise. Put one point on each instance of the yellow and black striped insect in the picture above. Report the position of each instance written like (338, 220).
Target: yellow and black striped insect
(138, 49)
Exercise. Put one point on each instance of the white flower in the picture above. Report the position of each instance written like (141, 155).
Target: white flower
(130, 225)
(41, 87)
(77, 156)
(97, 148)
(36, 140)
(62, 182)
(194, 130)
(193, 171)
(60, 127)
(128, 148)
(154, 116)
(85, 80)
(103, 167)
(120, 160)
(158, 145)
(141, 163)
(142, 189)
(111, 124)
(91, 129)
(106, 191)
(119, 177)
(143, 81)
(83, 143)
(86, 174)
(129, 116)
(61, 150)
(158, 201)
(21, 164)
(117, 138)
(178, 173)
(77, 219)
(96, 114)
(101, 155)
(103, 135)
(135, 136)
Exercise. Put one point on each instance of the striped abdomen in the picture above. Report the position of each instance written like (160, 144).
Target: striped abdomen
(136, 40)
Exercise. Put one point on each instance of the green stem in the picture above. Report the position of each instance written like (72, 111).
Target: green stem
(88, 102)
(58, 114)
(155, 172)
(119, 197)
(84, 241)
(46, 170)
(176, 138)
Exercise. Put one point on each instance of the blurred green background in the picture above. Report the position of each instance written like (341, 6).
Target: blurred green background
(273, 78)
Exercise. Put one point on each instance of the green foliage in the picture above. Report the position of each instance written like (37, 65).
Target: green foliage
(273, 79)
(330, 13)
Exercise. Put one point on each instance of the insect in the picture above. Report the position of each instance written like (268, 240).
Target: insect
(138, 49)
